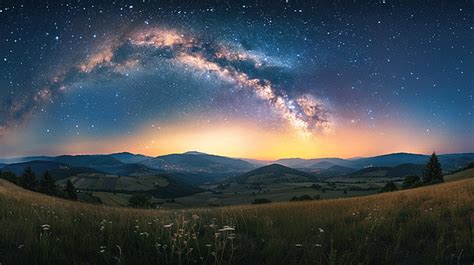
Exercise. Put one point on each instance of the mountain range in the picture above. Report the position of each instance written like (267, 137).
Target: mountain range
(449, 162)
(197, 168)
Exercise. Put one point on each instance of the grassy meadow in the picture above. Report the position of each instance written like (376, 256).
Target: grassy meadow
(428, 225)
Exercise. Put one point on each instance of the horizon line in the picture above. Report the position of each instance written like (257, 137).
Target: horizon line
(234, 157)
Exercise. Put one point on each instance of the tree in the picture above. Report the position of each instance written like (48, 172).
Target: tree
(140, 200)
(411, 182)
(28, 179)
(47, 184)
(71, 190)
(433, 172)
(389, 187)
(9, 176)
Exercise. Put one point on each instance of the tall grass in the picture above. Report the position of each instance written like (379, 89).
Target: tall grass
(430, 225)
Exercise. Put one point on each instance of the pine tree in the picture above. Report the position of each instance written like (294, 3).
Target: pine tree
(47, 184)
(71, 190)
(28, 179)
(433, 172)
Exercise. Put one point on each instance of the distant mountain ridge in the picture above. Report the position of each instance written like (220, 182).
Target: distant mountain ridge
(449, 162)
(56, 169)
(199, 162)
(274, 173)
(398, 171)
(126, 157)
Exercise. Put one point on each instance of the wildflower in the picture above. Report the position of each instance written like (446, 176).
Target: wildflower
(318, 245)
(208, 245)
(298, 245)
(168, 225)
(20, 246)
(195, 216)
(45, 227)
(227, 228)
(321, 230)
(119, 249)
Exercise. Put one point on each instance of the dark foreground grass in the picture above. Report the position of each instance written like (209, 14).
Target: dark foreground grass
(431, 225)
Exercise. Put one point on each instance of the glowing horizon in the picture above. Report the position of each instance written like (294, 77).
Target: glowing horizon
(243, 139)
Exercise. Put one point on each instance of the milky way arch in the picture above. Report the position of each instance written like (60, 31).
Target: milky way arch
(304, 112)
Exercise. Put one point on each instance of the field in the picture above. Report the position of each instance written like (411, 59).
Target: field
(468, 173)
(236, 194)
(430, 225)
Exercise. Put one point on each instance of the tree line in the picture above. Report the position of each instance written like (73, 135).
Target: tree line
(46, 184)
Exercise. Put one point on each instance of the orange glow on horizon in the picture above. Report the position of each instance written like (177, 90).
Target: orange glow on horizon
(248, 140)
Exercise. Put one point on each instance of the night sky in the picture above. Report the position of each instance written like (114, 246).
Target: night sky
(241, 78)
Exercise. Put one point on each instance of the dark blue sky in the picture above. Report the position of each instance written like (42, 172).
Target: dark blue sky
(332, 68)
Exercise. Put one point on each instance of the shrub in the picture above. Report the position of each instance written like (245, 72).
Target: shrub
(261, 201)
(304, 197)
(411, 182)
(140, 200)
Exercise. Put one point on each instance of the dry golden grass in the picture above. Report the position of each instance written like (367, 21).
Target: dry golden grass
(428, 225)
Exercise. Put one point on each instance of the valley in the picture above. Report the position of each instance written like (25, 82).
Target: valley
(195, 179)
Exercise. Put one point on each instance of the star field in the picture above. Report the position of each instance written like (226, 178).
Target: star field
(128, 72)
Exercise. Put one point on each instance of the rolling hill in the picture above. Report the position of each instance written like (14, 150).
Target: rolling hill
(336, 170)
(126, 178)
(274, 173)
(103, 163)
(467, 172)
(313, 163)
(16, 160)
(198, 162)
(57, 170)
(129, 158)
(159, 185)
(398, 171)
(107, 163)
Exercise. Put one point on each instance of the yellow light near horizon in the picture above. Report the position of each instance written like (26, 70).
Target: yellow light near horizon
(246, 139)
